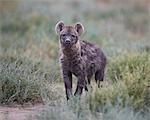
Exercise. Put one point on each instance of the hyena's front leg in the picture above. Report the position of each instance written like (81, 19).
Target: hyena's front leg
(80, 84)
(67, 76)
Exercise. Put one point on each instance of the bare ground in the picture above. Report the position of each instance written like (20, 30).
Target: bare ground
(28, 111)
(19, 113)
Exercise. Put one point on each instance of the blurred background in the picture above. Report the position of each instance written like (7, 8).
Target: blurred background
(118, 26)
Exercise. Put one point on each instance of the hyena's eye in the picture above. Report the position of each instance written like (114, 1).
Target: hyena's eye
(63, 35)
(73, 36)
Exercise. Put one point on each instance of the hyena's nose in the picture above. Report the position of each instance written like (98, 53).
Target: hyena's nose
(67, 41)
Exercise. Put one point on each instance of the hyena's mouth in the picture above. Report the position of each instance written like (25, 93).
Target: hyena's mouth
(67, 43)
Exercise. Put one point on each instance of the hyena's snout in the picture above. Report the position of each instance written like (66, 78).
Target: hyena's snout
(67, 40)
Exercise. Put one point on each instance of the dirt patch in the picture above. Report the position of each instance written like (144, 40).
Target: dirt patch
(28, 111)
(19, 113)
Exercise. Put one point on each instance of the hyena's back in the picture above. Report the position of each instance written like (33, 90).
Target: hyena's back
(95, 60)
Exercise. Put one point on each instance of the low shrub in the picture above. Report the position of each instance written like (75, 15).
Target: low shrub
(128, 77)
(22, 80)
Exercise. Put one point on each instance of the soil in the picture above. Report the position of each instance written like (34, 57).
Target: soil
(19, 112)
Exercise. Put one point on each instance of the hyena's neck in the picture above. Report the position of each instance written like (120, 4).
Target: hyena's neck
(72, 52)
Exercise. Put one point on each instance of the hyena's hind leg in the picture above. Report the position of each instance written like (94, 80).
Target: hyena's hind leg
(99, 76)
(88, 81)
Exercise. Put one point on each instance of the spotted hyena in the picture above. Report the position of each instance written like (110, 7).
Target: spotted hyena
(78, 57)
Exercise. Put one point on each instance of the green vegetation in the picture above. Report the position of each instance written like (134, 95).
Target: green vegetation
(129, 81)
(29, 66)
(126, 96)
(21, 80)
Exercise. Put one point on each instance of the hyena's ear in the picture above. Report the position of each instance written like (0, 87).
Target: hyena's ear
(79, 28)
(59, 27)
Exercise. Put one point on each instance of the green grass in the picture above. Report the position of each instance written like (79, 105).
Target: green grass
(126, 95)
(23, 80)
(82, 112)
(129, 80)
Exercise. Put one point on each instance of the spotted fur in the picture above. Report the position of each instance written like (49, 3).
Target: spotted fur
(79, 57)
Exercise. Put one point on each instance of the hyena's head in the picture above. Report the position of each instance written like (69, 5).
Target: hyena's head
(69, 34)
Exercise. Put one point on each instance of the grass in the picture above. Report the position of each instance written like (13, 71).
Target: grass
(21, 80)
(126, 96)
(129, 81)
(109, 112)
